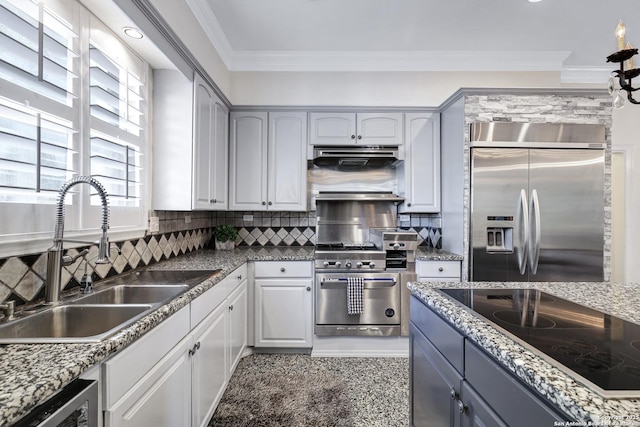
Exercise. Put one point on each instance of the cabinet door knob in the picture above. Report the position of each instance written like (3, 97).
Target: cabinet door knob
(240, 277)
(353, 137)
(440, 269)
(309, 288)
(454, 394)
(359, 136)
(231, 307)
(462, 407)
(264, 203)
(409, 204)
(282, 269)
(270, 203)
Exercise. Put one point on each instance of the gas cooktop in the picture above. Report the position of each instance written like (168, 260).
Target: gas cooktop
(603, 349)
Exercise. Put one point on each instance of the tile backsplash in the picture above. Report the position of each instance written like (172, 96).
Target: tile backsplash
(22, 277)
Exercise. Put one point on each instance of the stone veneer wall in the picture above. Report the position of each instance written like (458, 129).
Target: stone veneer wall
(537, 108)
(22, 277)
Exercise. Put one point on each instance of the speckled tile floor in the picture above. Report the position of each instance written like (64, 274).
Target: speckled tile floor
(378, 388)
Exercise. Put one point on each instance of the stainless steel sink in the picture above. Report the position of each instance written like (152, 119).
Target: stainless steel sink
(133, 294)
(72, 323)
(96, 316)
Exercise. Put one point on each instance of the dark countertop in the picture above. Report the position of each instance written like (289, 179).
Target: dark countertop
(32, 373)
(562, 389)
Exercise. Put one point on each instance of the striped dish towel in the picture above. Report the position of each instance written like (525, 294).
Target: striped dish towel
(355, 287)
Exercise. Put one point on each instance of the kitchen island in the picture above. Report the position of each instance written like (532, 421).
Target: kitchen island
(559, 387)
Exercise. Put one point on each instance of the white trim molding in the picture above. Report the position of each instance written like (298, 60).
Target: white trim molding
(576, 74)
(398, 61)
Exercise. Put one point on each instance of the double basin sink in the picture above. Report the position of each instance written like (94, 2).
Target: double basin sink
(95, 316)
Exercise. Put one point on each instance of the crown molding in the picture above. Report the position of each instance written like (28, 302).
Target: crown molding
(212, 28)
(398, 61)
(579, 74)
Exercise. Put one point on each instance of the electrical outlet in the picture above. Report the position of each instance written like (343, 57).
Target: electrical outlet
(187, 219)
(405, 218)
(154, 224)
(247, 218)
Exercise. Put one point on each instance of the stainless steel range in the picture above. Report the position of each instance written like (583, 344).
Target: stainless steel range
(358, 244)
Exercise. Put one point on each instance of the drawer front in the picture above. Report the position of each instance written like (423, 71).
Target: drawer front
(126, 368)
(207, 302)
(439, 269)
(283, 269)
(443, 336)
(515, 402)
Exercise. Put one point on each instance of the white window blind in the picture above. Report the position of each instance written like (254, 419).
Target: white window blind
(73, 100)
(117, 127)
(38, 143)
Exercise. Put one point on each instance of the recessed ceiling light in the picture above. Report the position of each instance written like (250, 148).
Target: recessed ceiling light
(134, 33)
(534, 1)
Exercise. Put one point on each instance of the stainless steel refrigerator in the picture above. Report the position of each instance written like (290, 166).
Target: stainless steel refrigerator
(537, 202)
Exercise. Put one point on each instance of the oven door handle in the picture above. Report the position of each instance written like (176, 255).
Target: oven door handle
(370, 283)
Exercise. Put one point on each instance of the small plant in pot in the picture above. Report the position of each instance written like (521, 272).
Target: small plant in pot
(225, 236)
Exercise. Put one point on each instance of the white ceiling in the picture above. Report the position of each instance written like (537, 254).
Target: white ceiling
(416, 35)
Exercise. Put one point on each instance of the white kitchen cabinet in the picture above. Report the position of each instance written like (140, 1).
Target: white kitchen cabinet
(190, 145)
(283, 298)
(177, 373)
(210, 359)
(419, 175)
(356, 129)
(237, 306)
(438, 271)
(268, 161)
(162, 398)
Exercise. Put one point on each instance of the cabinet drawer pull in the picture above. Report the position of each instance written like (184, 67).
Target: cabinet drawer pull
(282, 269)
(441, 269)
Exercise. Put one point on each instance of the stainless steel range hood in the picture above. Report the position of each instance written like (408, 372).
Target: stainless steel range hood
(355, 157)
(354, 196)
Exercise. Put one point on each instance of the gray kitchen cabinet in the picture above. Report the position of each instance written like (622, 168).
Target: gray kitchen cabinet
(344, 128)
(190, 146)
(283, 304)
(419, 175)
(434, 384)
(444, 364)
(268, 161)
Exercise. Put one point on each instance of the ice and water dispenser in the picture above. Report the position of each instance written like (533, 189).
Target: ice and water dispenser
(500, 239)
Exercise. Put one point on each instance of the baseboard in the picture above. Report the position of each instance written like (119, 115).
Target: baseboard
(360, 347)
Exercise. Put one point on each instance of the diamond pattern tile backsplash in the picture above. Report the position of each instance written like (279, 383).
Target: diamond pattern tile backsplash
(22, 277)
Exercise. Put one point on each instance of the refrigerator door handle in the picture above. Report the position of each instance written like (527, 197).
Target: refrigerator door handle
(523, 229)
(534, 251)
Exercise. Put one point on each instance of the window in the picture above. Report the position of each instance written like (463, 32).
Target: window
(73, 100)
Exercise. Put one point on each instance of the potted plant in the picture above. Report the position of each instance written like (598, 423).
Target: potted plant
(225, 236)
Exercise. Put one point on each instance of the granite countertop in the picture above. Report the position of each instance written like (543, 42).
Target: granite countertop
(32, 373)
(431, 254)
(562, 389)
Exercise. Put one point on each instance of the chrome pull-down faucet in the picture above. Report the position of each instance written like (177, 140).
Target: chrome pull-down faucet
(55, 259)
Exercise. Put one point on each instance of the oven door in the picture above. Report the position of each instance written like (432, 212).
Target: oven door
(381, 305)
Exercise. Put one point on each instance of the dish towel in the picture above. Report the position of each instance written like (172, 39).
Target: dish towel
(355, 287)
